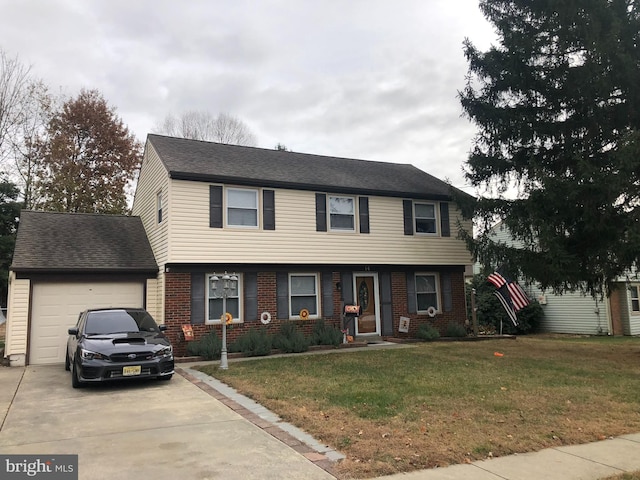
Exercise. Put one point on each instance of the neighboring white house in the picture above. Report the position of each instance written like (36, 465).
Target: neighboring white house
(576, 313)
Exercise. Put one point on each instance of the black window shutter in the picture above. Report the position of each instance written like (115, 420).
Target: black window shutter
(268, 210)
(215, 206)
(282, 293)
(250, 296)
(444, 219)
(346, 282)
(327, 294)
(363, 210)
(407, 214)
(411, 293)
(197, 298)
(321, 212)
(447, 296)
(386, 303)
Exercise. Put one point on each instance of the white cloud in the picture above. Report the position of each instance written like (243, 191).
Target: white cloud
(371, 79)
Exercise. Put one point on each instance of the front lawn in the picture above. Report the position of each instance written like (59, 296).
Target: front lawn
(434, 404)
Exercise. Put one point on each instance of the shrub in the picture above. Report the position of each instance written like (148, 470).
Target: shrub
(490, 311)
(456, 330)
(427, 332)
(209, 346)
(255, 343)
(324, 334)
(290, 339)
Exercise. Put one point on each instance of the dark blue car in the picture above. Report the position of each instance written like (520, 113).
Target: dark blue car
(116, 344)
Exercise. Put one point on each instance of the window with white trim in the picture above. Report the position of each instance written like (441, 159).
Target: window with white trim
(425, 217)
(342, 214)
(215, 302)
(427, 294)
(303, 294)
(242, 207)
(635, 298)
(159, 206)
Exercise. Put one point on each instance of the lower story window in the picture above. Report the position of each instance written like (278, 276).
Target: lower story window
(215, 301)
(427, 291)
(303, 294)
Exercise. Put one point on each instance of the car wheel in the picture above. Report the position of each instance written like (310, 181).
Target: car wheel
(67, 364)
(166, 377)
(75, 377)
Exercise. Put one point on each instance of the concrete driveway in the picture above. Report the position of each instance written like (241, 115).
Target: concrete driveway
(153, 429)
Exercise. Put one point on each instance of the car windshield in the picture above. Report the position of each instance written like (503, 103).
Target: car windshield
(116, 321)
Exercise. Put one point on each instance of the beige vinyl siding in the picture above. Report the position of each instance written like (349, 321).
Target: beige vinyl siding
(153, 295)
(573, 313)
(153, 179)
(295, 239)
(18, 316)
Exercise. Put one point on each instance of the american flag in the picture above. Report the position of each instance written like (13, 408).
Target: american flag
(510, 294)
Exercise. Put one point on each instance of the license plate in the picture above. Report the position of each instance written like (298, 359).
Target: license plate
(131, 371)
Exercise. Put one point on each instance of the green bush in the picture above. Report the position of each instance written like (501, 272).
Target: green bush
(324, 334)
(208, 346)
(490, 311)
(427, 332)
(255, 343)
(290, 339)
(456, 330)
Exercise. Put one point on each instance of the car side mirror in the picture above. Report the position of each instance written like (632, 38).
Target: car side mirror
(73, 331)
(162, 327)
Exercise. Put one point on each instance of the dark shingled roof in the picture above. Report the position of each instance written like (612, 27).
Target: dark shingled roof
(79, 242)
(215, 162)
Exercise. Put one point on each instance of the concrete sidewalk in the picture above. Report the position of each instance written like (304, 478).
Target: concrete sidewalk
(591, 461)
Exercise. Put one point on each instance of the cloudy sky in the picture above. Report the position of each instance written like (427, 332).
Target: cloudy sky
(368, 79)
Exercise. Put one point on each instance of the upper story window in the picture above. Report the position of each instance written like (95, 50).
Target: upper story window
(342, 214)
(635, 298)
(242, 207)
(159, 207)
(425, 217)
(303, 294)
(427, 292)
(215, 301)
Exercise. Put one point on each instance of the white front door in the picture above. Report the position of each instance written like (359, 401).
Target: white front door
(366, 295)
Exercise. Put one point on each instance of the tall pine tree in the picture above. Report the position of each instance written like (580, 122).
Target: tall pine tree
(557, 106)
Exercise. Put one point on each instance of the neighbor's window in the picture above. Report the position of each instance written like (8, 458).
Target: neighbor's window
(215, 301)
(426, 291)
(159, 206)
(425, 215)
(303, 293)
(342, 213)
(635, 298)
(242, 207)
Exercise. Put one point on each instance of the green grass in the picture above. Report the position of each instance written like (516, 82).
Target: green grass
(441, 403)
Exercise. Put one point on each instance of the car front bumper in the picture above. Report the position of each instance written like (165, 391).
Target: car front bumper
(101, 370)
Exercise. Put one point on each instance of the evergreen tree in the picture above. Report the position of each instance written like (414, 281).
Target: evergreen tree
(9, 213)
(557, 105)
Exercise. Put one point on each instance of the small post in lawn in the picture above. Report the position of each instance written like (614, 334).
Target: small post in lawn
(474, 312)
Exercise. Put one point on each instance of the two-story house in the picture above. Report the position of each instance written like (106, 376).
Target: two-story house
(305, 234)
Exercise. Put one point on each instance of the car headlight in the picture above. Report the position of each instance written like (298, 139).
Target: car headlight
(164, 352)
(89, 355)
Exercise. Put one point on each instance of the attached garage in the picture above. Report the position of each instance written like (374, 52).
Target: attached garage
(55, 308)
(66, 263)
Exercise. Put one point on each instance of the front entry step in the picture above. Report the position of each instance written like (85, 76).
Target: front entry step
(369, 338)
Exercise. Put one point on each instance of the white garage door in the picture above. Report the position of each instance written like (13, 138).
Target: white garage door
(56, 306)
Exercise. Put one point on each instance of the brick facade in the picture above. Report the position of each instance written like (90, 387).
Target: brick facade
(178, 309)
